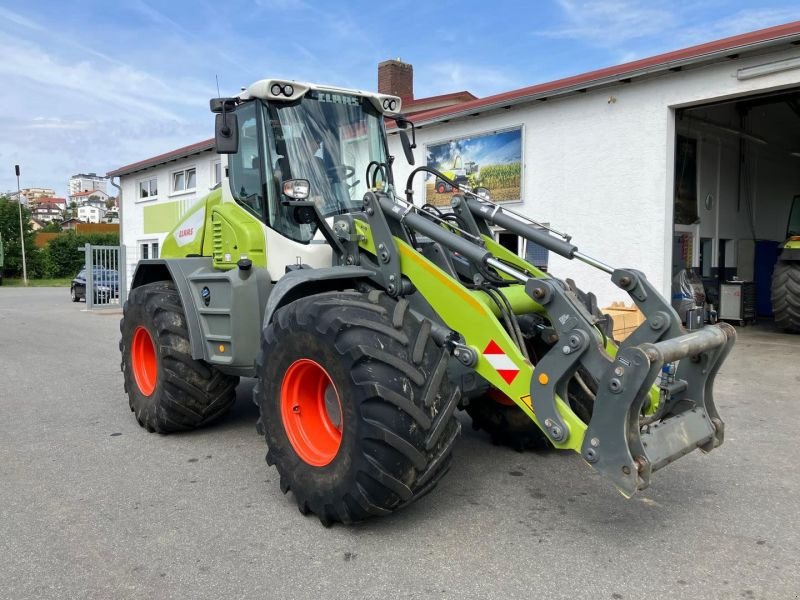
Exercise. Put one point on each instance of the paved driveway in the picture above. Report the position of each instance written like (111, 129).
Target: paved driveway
(92, 506)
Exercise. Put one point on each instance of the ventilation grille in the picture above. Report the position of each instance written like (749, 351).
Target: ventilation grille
(216, 236)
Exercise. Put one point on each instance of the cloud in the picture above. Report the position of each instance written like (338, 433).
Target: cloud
(740, 22)
(19, 19)
(610, 22)
(444, 76)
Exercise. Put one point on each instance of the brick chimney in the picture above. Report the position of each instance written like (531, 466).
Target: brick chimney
(397, 78)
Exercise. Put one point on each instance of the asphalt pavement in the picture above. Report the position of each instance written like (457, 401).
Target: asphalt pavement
(92, 506)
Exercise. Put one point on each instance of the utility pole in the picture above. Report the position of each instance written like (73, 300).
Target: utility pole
(21, 230)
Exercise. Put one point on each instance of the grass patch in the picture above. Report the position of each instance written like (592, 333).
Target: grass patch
(16, 282)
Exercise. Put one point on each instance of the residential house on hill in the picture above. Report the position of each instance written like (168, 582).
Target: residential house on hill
(47, 212)
(94, 197)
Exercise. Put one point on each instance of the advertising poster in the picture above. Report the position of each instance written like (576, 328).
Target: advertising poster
(491, 160)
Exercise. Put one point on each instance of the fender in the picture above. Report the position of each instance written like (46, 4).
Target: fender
(219, 307)
(303, 282)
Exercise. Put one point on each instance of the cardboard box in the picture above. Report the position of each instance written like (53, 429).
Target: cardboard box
(626, 319)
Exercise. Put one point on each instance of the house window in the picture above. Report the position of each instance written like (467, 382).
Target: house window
(185, 180)
(148, 188)
(148, 250)
(216, 173)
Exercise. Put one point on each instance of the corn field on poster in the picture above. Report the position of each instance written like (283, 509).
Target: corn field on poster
(492, 160)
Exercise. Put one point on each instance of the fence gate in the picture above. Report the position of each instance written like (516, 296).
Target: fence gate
(106, 282)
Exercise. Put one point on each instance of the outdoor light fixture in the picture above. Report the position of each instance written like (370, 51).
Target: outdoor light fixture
(768, 68)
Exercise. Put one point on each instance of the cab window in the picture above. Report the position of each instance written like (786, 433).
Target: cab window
(245, 166)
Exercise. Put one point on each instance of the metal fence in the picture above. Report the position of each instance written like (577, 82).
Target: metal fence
(106, 280)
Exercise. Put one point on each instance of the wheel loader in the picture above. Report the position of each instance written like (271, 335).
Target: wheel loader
(786, 277)
(368, 320)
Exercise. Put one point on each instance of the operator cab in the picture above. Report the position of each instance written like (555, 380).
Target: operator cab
(283, 131)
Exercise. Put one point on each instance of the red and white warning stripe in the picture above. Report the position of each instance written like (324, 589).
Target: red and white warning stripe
(504, 366)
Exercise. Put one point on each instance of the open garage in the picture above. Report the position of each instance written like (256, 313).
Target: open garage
(737, 172)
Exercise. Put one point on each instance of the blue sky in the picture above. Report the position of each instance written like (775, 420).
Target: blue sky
(91, 86)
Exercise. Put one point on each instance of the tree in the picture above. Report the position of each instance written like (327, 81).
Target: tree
(52, 227)
(9, 228)
(64, 256)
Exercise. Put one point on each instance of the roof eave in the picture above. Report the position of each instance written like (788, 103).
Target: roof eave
(586, 84)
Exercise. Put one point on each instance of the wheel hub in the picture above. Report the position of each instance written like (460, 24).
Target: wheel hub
(143, 361)
(311, 412)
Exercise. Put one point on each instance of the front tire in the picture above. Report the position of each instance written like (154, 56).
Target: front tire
(73, 294)
(786, 296)
(356, 404)
(167, 389)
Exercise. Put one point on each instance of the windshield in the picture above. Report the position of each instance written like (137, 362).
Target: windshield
(329, 139)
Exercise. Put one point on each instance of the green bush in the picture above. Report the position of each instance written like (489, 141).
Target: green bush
(64, 257)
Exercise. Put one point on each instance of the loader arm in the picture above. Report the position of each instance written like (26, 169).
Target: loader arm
(637, 426)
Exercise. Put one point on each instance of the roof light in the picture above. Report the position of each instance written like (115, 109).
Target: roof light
(288, 90)
(276, 89)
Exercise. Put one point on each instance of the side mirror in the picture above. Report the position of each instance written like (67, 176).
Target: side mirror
(226, 133)
(297, 189)
(408, 145)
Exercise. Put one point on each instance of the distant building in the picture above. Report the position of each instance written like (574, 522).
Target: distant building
(87, 183)
(36, 224)
(70, 224)
(112, 216)
(89, 213)
(60, 202)
(32, 195)
(47, 212)
(94, 197)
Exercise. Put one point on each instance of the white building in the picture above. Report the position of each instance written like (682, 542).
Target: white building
(156, 192)
(93, 197)
(47, 211)
(90, 182)
(688, 158)
(91, 214)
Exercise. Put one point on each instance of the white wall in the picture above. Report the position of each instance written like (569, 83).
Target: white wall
(132, 213)
(599, 165)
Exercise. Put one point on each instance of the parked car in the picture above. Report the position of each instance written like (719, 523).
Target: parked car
(105, 283)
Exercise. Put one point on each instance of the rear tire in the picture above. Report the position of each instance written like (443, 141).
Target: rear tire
(167, 389)
(395, 422)
(786, 295)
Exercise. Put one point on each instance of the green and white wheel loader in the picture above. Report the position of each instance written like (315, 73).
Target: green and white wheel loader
(369, 320)
(786, 277)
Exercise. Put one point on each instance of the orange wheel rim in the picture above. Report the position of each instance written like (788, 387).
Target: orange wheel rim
(143, 361)
(311, 412)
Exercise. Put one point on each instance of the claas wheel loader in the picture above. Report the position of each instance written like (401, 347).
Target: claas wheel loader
(368, 320)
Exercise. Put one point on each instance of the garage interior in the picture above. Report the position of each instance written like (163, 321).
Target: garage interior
(737, 171)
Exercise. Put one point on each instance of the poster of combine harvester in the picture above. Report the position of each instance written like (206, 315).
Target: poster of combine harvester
(492, 160)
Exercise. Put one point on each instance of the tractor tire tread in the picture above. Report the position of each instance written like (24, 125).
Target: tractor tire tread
(403, 426)
(190, 393)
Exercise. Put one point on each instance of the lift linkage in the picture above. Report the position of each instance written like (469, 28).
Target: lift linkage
(639, 424)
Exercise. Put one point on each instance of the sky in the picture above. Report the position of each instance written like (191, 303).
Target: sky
(89, 86)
